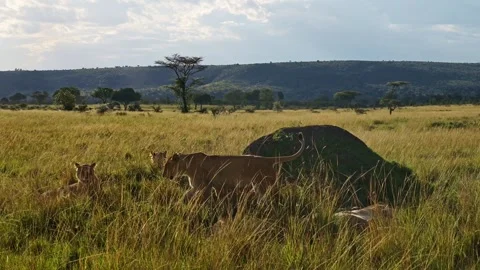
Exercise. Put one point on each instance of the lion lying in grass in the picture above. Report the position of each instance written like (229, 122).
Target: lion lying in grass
(227, 173)
(87, 181)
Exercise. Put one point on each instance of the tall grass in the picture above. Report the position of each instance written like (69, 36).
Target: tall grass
(140, 222)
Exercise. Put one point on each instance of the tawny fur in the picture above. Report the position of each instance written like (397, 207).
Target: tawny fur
(158, 159)
(227, 173)
(86, 181)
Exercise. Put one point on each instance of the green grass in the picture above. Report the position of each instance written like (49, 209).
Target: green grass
(140, 222)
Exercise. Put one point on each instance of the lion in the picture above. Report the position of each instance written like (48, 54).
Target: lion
(158, 159)
(86, 181)
(227, 173)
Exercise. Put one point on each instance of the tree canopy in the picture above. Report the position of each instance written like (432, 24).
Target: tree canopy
(103, 94)
(126, 96)
(40, 97)
(184, 68)
(17, 97)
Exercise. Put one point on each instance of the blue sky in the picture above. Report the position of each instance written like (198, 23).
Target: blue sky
(60, 34)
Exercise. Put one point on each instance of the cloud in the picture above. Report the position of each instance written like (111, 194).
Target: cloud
(120, 32)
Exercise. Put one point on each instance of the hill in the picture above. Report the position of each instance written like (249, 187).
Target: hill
(298, 80)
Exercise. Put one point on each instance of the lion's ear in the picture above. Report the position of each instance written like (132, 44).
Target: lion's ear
(93, 165)
(77, 165)
(175, 157)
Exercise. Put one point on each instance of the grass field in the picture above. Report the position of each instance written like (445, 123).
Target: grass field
(141, 223)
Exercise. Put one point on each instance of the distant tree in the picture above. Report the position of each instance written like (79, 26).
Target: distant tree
(184, 67)
(201, 99)
(17, 97)
(253, 98)
(102, 93)
(126, 96)
(235, 98)
(66, 98)
(280, 96)
(390, 99)
(40, 97)
(266, 98)
(345, 97)
(4, 100)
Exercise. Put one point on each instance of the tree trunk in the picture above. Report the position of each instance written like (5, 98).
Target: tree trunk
(201, 106)
(125, 106)
(391, 110)
(185, 105)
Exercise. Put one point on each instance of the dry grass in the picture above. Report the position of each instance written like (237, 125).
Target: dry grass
(140, 222)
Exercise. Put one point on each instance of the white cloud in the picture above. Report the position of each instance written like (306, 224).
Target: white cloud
(449, 28)
(259, 30)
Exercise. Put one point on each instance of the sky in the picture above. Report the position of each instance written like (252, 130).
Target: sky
(66, 34)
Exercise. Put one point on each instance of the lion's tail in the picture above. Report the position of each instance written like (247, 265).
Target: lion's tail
(301, 138)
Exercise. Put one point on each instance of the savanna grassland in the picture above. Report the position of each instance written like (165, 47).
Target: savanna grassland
(140, 222)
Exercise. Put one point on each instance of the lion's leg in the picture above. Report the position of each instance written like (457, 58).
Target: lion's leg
(203, 193)
(189, 195)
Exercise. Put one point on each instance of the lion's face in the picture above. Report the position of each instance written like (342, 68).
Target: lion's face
(158, 158)
(85, 173)
(174, 166)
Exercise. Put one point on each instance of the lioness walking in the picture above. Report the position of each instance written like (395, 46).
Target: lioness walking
(227, 173)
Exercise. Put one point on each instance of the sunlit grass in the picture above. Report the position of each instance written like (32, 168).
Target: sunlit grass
(140, 221)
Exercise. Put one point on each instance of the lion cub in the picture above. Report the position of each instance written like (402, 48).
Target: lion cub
(87, 181)
(227, 173)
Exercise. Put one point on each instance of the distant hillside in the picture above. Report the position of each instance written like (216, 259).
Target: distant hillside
(298, 80)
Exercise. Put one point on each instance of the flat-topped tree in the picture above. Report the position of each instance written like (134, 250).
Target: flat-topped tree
(346, 97)
(235, 98)
(40, 97)
(18, 97)
(184, 67)
(201, 99)
(125, 96)
(391, 98)
(103, 93)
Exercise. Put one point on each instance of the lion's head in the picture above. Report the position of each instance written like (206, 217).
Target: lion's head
(158, 159)
(85, 173)
(174, 167)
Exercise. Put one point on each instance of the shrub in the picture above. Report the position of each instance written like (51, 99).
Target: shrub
(360, 111)
(114, 105)
(157, 109)
(203, 110)
(102, 109)
(135, 107)
(216, 111)
(277, 106)
(121, 113)
(82, 108)
(22, 106)
(250, 109)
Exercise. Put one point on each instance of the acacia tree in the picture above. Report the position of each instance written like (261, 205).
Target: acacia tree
(200, 99)
(39, 96)
(103, 93)
(184, 67)
(391, 98)
(18, 97)
(125, 96)
(235, 98)
(4, 100)
(65, 97)
(253, 97)
(346, 97)
(266, 98)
